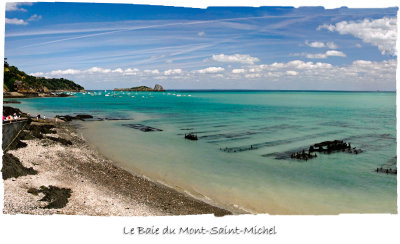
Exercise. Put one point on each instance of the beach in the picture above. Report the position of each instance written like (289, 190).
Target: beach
(98, 187)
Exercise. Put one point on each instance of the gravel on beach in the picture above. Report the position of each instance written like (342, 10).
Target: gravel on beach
(98, 186)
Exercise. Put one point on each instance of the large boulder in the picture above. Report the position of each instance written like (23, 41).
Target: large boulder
(10, 111)
(158, 87)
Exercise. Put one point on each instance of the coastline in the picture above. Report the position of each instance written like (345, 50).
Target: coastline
(21, 95)
(99, 187)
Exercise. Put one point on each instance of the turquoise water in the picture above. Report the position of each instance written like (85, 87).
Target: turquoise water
(272, 122)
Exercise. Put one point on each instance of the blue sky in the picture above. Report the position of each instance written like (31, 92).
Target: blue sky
(103, 46)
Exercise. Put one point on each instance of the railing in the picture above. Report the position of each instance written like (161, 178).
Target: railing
(11, 129)
(14, 121)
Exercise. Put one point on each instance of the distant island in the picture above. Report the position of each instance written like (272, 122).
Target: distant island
(19, 84)
(157, 87)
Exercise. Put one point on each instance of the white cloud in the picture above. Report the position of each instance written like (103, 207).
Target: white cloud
(148, 71)
(130, 71)
(173, 72)
(378, 32)
(335, 53)
(64, 72)
(360, 74)
(294, 64)
(15, 21)
(330, 45)
(117, 70)
(235, 58)
(210, 70)
(201, 33)
(37, 74)
(315, 44)
(238, 71)
(252, 76)
(298, 64)
(98, 70)
(322, 55)
(14, 6)
(362, 63)
(291, 72)
(34, 17)
(316, 56)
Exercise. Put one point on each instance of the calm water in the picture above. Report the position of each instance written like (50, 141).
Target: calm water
(228, 121)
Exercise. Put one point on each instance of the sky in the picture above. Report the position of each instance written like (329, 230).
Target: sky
(106, 46)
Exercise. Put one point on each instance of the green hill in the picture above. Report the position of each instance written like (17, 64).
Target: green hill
(19, 81)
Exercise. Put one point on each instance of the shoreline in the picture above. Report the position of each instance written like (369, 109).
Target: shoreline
(193, 195)
(23, 95)
(99, 187)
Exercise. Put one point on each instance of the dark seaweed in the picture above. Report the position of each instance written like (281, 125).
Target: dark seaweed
(325, 147)
(12, 167)
(141, 127)
(55, 196)
(191, 136)
(272, 143)
(63, 141)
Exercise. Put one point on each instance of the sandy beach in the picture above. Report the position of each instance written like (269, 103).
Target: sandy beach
(98, 187)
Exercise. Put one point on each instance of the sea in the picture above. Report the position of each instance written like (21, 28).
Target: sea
(241, 160)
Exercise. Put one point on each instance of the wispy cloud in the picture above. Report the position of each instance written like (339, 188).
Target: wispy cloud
(34, 17)
(317, 44)
(114, 30)
(235, 58)
(173, 72)
(329, 53)
(238, 71)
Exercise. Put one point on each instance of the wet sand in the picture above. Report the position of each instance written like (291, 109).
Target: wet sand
(98, 186)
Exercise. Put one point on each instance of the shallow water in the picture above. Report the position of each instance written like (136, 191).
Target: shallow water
(269, 123)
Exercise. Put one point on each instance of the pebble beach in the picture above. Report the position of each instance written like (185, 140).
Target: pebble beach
(98, 186)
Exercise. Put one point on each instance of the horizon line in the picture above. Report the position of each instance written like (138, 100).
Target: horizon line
(260, 90)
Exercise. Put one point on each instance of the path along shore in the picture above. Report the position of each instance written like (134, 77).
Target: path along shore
(96, 185)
